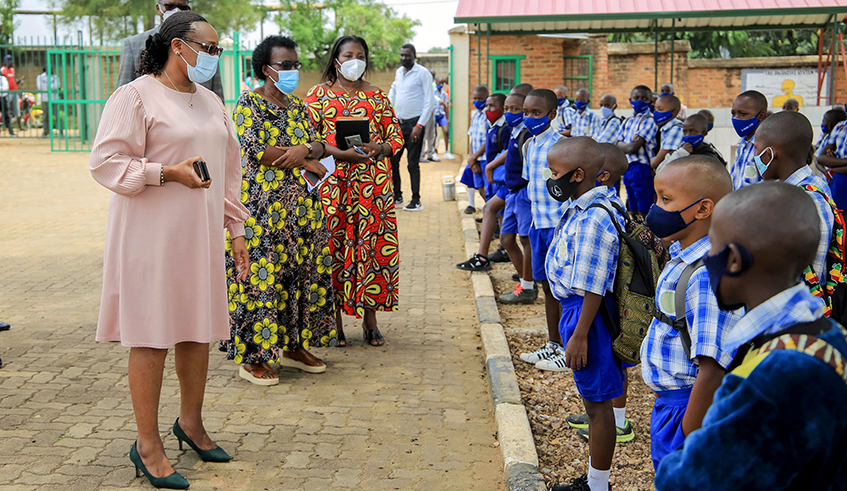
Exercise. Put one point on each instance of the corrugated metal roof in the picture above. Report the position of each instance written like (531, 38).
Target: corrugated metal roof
(635, 15)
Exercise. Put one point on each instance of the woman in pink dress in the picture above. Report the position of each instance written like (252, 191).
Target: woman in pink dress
(164, 282)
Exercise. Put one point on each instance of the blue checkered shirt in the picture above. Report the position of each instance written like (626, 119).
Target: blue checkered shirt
(671, 135)
(477, 132)
(644, 126)
(664, 365)
(795, 305)
(564, 115)
(440, 96)
(743, 170)
(585, 124)
(612, 195)
(545, 210)
(583, 256)
(802, 177)
(838, 136)
(608, 130)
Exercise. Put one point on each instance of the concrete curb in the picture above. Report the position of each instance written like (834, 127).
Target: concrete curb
(520, 458)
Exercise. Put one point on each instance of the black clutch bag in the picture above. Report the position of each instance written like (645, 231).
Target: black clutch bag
(351, 129)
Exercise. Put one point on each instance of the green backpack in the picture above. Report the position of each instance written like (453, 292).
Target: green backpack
(635, 289)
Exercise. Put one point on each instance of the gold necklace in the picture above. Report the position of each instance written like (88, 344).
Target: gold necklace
(278, 104)
(190, 96)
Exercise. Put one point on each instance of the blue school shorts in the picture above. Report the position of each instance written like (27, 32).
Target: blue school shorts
(540, 240)
(666, 423)
(491, 188)
(517, 217)
(838, 187)
(502, 191)
(602, 378)
(471, 180)
(441, 120)
(638, 181)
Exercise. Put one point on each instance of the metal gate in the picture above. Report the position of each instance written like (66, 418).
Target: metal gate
(578, 73)
(82, 79)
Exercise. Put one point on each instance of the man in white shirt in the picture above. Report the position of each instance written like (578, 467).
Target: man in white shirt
(48, 92)
(413, 98)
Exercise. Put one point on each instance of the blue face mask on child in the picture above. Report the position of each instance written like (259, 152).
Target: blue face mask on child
(716, 268)
(824, 129)
(479, 105)
(536, 125)
(562, 100)
(744, 126)
(513, 119)
(439, 86)
(287, 80)
(606, 112)
(711, 125)
(580, 105)
(639, 106)
(662, 117)
(665, 223)
(694, 140)
(761, 167)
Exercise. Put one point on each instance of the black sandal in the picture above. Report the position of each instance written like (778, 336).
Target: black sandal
(371, 336)
(341, 340)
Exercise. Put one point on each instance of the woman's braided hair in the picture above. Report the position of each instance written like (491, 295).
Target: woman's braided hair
(154, 56)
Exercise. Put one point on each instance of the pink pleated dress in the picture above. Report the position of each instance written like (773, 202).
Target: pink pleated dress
(164, 279)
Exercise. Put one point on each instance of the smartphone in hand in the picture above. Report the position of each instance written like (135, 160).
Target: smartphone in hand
(202, 170)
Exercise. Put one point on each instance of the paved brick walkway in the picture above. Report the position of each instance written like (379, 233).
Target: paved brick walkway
(415, 415)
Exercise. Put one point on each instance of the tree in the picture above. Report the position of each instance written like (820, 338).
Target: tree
(7, 20)
(111, 20)
(316, 27)
(438, 50)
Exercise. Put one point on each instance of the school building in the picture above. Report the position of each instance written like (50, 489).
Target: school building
(547, 44)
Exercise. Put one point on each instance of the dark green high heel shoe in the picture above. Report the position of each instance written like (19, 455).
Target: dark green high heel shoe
(174, 481)
(216, 454)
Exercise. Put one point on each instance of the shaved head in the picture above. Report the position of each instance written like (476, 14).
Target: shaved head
(790, 134)
(577, 152)
(610, 99)
(757, 99)
(547, 96)
(698, 123)
(523, 89)
(777, 222)
(668, 103)
(614, 162)
(698, 175)
(667, 88)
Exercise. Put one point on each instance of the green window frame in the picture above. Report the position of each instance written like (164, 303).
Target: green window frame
(505, 72)
(578, 72)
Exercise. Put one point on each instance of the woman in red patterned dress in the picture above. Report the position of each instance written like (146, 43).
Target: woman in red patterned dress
(359, 198)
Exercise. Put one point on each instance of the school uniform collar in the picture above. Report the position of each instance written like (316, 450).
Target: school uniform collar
(587, 199)
(500, 121)
(799, 176)
(610, 116)
(544, 135)
(692, 253)
(565, 104)
(743, 141)
(671, 124)
(795, 305)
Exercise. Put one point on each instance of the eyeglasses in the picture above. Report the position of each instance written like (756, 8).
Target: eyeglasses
(287, 65)
(171, 6)
(212, 49)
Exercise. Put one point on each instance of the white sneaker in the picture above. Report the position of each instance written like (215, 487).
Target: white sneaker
(555, 363)
(449, 156)
(434, 158)
(542, 353)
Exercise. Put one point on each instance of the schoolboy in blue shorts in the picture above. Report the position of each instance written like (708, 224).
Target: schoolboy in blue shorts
(637, 139)
(669, 137)
(564, 110)
(472, 176)
(584, 121)
(782, 144)
(517, 216)
(748, 111)
(832, 154)
(495, 144)
(779, 419)
(685, 368)
(539, 112)
(581, 267)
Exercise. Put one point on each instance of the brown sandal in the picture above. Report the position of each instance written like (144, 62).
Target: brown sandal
(262, 379)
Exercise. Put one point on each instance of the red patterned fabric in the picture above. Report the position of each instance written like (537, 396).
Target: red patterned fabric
(358, 200)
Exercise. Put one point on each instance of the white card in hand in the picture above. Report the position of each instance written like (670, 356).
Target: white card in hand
(311, 182)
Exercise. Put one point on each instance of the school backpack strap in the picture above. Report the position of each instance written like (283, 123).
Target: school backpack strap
(802, 338)
(680, 324)
(499, 137)
(830, 285)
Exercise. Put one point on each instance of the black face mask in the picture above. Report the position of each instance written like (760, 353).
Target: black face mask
(716, 268)
(407, 62)
(562, 189)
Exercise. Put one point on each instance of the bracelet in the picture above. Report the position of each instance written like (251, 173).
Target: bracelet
(419, 126)
(162, 175)
(309, 148)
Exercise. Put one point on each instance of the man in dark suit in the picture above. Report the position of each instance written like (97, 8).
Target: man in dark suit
(132, 46)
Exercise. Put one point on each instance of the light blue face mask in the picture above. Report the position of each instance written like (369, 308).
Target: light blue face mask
(287, 80)
(606, 112)
(204, 68)
(761, 166)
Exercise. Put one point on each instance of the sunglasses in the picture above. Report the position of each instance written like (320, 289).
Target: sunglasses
(287, 65)
(171, 6)
(212, 49)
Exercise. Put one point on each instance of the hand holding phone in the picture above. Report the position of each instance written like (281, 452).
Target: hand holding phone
(202, 170)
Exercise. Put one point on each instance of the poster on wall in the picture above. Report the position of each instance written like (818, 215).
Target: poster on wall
(781, 84)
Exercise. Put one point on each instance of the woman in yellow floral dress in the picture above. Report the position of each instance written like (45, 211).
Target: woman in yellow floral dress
(286, 305)
(359, 197)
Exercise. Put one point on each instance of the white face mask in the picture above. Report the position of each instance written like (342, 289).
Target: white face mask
(352, 70)
(168, 13)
